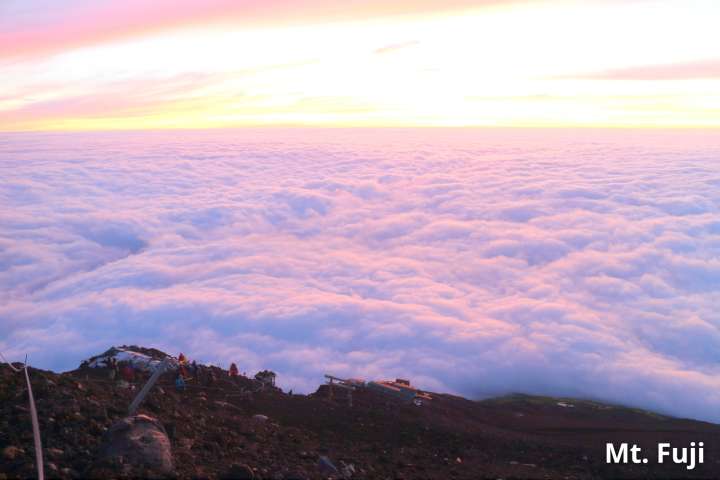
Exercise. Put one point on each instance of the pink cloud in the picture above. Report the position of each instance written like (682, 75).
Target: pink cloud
(126, 97)
(35, 28)
(701, 69)
(397, 46)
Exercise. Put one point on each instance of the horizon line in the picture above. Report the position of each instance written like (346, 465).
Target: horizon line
(372, 127)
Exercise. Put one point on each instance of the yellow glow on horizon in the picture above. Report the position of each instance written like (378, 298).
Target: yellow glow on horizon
(521, 65)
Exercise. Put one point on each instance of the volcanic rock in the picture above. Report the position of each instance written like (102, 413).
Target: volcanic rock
(379, 437)
(11, 452)
(140, 442)
(326, 466)
(238, 472)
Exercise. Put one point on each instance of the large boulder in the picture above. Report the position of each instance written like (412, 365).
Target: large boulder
(138, 444)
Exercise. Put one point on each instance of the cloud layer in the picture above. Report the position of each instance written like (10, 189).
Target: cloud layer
(471, 261)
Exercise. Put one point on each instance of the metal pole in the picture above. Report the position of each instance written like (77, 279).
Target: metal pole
(9, 364)
(35, 427)
(146, 389)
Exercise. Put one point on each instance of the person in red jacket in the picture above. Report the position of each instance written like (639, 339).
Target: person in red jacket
(128, 373)
(233, 370)
(182, 359)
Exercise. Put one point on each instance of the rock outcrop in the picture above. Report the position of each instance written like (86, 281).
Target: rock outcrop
(139, 445)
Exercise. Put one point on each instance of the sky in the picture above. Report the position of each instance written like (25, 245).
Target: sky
(134, 64)
(470, 261)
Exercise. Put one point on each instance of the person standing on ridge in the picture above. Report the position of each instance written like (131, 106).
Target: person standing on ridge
(195, 371)
(128, 373)
(233, 372)
(180, 383)
(182, 371)
(113, 366)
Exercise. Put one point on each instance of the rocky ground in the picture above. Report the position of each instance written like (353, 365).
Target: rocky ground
(222, 431)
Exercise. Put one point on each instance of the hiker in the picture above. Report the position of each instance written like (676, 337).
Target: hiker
(181, 359)
(211, 378)
(233, 372)
(113, 369)
(128, 373)
(180, 383)
(194, 371)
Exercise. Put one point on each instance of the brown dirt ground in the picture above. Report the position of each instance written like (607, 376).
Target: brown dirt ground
(449, 437)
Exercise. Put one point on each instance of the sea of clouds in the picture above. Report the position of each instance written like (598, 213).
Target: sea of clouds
(583, 263)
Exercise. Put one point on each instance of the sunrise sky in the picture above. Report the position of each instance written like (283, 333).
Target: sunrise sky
(218, 63)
